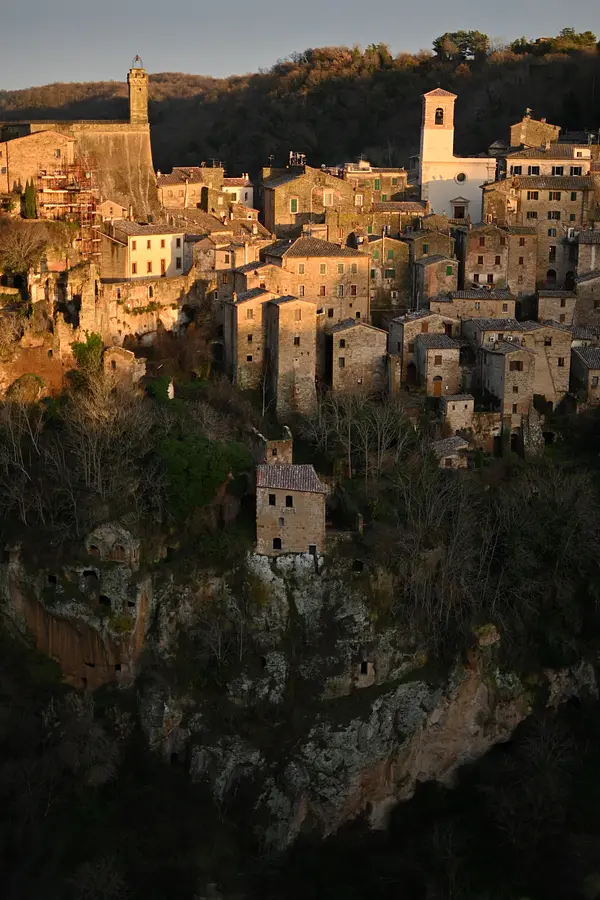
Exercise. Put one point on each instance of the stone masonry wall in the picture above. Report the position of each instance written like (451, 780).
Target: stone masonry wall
(358, 358)
(298, 527)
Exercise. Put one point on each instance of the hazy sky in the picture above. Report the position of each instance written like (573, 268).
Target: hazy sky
(79, 40)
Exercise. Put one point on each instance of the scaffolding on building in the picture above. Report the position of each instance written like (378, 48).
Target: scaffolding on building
(69, 194)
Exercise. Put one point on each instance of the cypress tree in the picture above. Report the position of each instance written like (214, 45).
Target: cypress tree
(30, 204)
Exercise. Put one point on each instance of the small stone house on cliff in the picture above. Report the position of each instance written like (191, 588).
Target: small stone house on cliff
(290, 510)
(585, 372)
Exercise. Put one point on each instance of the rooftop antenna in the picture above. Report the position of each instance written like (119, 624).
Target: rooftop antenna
(271, 159)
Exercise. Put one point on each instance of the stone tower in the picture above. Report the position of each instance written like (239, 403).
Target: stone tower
(137, 79)
(437, 132)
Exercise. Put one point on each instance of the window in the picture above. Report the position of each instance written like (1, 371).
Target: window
(410, 348)
(249, 358)
(521, 260)
(561, 362)
(389, 273)
(276, 543)
(552, 232)
(148, 245)
(449, 270)
(477, 304)
(330, 313)
(505, 307)
(358, 199)
(533, 170)
(227, 258)
(595, 380)
(476, 277)
(373, 273)
(340, 268)
(327, 198)
(3, 170)
(394, 181)
(515, 389)
(376, 254)
(342, 343)
(281, 522)
(340, 290)
(134, 245)
(520, 279)
(224, 278)
(503, 242)
(341, 362)
(353, 290)
(296, 341)
(516, 170)
(297, 315)
(576, 170)
(178, 243)
(250, 313)
(533, 195)
(480, 260)
(437, 360)
(357, 316)
(301, 290)
(547, 342)
(497, 262)
(552, 254)
(563, 302)
(425, 249)
(521, 242)
(383, 198)
(323, 269)
(461, 177)
(353, 269)
(515, 408)
(558, 170)
(516, 365)
(531, 214)
(57, 153)
(482, 241)
(134, 268)
(390, 253)
(150, 292)
(323, 291)
(249, 338)
(439, 116)
(572, 217)
(573, 195)
(162, 243)
(272, 499)
(294, 205)
(424, 327)
(300, 268)
(369, 229)
(377, 184)
(178, 262)
(490, 279)
(274, 451)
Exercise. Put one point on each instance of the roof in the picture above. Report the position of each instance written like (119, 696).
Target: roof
(138, 229)
(554, 182)
(583, 332)
(433, 260)
(590, 356)
(237, 182)
(250, 295)
(425, 233)
(589, 276)
(355, 323)
(279, 180)
(401, 206)
(506, 347)
(554, 151)
(438, 342)
(287, 477)
(181, 174)
(520, 229)
(555, 294)
(455, 398)
(417, 314)
(439, 92)
(482, 294)
(496, 324)
(589, 237)
(290, 298)
(251, 267)
(449, 446)
(305, 247)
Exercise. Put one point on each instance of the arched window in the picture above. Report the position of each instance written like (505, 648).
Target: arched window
(439, 116)
(551, 276)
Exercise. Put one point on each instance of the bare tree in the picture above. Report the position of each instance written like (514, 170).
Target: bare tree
(22, 245)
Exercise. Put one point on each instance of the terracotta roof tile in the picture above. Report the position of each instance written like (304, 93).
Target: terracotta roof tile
(590, 356)
(286, 477)
(554, 182)
(305, 247)
(438, 342)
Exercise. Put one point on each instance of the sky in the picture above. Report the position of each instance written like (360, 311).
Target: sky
(79, 40)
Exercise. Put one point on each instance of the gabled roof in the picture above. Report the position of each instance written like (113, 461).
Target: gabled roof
(448, 446)
(136, 229)
(305, 247)
(553, 182)
(543, 292)
(401, 206)
(287, 477)
(438, 342)
(426, 234)
(355, 323)
(589, 276)
(251, 267)
(482, 294)
(252, 294)
(589, 237)
(554, 151)
(432, 260)
(590, 356)
(416, 315)
(456, 398)
(519, 229)
(289, 298)
(237, 182)
(439, 92)
(279, 180)
(485, 324)
(506, 347)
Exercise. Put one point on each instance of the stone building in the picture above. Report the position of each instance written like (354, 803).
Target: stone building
(585, 372)
(556, 306)
(457, 412)
(123, 366)
(451, 452)
(429, 242)
(291, 329)
(290, 510)
(133, 250)
(269, 451)
(404, 331)
(470, 304)
(108, 210)
(587, 304)
(480, 332)
(522, 259)
(300, 195)
(239, 190)
(451, 184)
(434, 275)
(358, 357)
(244, 337)
(549, 158)
(556, 205)
(508, 376)
(389, 272)
(588, 255)
(499, 257)
(22, 158)
(186, 186)
(377, 185)
(530, 132)
(438, 364)
(353, 225)
(551, 344)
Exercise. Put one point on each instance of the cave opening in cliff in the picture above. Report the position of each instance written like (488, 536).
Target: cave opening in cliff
(358, 565)
(364, 668)
(93, 550)
(51, 579)
(104, 601)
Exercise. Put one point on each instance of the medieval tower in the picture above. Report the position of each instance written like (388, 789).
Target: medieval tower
(137, 79)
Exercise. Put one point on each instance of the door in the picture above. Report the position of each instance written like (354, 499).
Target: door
(437, 386)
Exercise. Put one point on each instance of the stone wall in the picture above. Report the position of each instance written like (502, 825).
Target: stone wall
(358, 358)
(552, 361)
(22, 158)
(436, 364)
(299, 527)
(512, 386)
(457, 412)
(436, 277)
(292, 339)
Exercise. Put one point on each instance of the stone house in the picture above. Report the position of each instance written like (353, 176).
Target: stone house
(531, 132)
(556, 306)
(389, 272)
(483, 252)
(377, 185)
(239, 190)
(522, 259)
(429, 242)
(438, 364)
(110, 209)
(183, 187)
(587, 304)
(436, 222)
(552, 347)
(588, 251)
(291, 335)
(244, 337)
(268, 451)
(123, 366)
(480, 332)
(434, 275)
(300, 195)
(508, 375)
(22, 158)
(473, 304)
(353, 226)
(457, 412)
(585, 372)
(267, 276)
(290, 510)
(451, 452)
(358, 357)
(556, 206)
(550, 158)
(132, 250)
(404, 331)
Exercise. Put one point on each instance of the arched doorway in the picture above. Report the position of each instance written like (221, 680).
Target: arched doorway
(570, 281)
(437, 386)
(551, 277)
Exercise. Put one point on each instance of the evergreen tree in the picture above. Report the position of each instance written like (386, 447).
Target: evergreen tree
(30, 201)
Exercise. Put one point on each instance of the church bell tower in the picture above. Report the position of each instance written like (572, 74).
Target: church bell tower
(137, 79)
